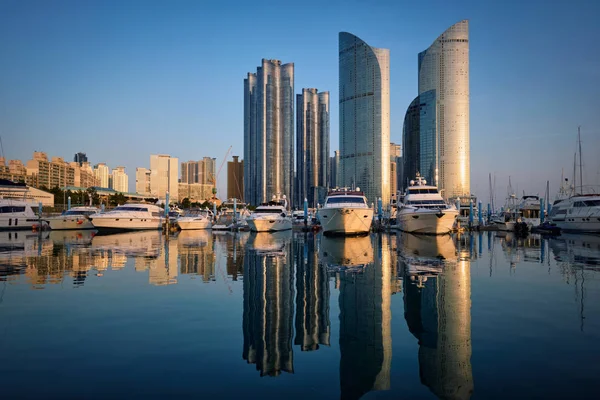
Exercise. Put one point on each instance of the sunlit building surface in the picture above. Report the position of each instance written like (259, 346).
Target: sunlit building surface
(164, 176)
(364, 96)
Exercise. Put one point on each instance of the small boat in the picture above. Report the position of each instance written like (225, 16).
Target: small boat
(546, 228)
(74, 218)
(270, 217)
(129, 217)
(195, 219)
(345, 212)
(226, 220)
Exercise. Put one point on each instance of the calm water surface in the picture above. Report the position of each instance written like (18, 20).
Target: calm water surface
(295, 316)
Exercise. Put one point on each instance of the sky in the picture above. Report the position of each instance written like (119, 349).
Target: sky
(120, 80)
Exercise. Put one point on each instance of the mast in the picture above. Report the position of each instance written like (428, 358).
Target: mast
(580, 161)
(574, 176)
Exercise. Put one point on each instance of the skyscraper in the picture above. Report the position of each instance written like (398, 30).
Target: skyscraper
(235, 179)
(364, 117)
(101, 173)
(312, 147)
(142, 180)
(420, 139)
(269, 132)
(189, 172)
(164, 172)
(334, 170)
(80, 158)
(396, 161)
(120, 180)
(443, 82)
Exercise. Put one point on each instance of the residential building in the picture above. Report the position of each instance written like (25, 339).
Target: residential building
(312, 147)
(334, 170)
(142, 180)
(80, 158)
(49, 174)
(442, 155)
(120, 180)
(84, 175)
(189, 172)
(164, 173)
(235, 179)
(364, 96)
(195, 192)
(269, 132)
(102, 174)
(396, 165)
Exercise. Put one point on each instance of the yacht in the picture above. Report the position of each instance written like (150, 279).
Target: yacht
(270, 217)
(17, 215)
(423, 210)
(195, 219)
(529, 210)
(74, 218)
(129, 217)
(225, 218)
(578, 213)
(345, 212)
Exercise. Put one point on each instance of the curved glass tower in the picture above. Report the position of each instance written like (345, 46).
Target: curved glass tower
(364, 117)
(444, 67)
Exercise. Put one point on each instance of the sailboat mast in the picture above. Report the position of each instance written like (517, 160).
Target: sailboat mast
(580, 161)
(574, 175)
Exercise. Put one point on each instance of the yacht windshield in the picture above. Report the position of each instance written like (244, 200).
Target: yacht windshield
(129, 208)
(423, 191)
(75, 212)
(426, 202)
(267, 211)
(11, 209)
(345, 200)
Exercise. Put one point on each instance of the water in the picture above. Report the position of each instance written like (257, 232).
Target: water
(297, 316)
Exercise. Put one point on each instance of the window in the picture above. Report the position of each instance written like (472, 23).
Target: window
(345, 200)
(11, 209)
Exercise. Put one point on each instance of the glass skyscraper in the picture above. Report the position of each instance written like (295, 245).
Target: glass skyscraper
(269, 132)
(312, 147)
(364, 90)
(444, 68)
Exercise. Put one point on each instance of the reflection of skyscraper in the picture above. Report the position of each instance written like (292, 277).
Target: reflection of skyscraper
(365, 328)
(439, 315)
(268, 311)
(196, 254)
(312, 300)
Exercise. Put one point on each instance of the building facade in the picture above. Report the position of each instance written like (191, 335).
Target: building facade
(444, 68)
(189, 172)
(334, 168)
(102, 174)
(49, 174)
(195, 192)
(396, 164)
(164, 173)
(269, 132)
(120, 180)
(312, 147)
(364, 90)
(235, 179)
(80, 158)
(142, 180)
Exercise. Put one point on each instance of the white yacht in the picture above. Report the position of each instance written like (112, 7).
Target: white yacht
(195, 219)
(129, 217)
(75, 218)
(464, 212)
(17, 215)
(270, 217)
(529, 210)
(345, 212)
(225, 219)
(579, 213)
(423, 210)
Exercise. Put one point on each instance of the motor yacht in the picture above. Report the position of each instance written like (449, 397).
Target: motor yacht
(75, 218)
(129, 217)
(226, 218)
(270, 217)
(423, 210)
(578, 213)
(529, 210)
(18, 215)
(345, 212)
(195, 219)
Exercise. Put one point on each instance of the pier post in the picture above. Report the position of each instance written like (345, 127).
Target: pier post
(489, 214)
(470, 213)
(40, 209)
(305, 212)
(167, 213)
(215, 209)
(480, 215)
(542, 210)
(69, 203)
(235, 213)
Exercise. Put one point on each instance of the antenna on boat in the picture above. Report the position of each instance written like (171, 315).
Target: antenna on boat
(580, 160)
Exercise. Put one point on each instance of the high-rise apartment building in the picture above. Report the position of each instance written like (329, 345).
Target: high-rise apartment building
(235, 179)
(142, 180)
(269, 132)
(312, 147)
(436, 126)
(396, 165)
(84, 174)
(364, 90)
(120, 180)
(80, 158)
(102, 174)
(207, 171)
(164, 173)
(50, 174)
(334, 170)
(189, 172)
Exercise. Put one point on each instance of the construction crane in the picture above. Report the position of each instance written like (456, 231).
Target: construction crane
(213, 177)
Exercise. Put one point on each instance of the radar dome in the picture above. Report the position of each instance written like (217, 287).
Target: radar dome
(357, 189)
(424, 182)
(412, 182)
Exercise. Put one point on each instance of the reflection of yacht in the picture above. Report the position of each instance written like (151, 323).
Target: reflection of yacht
(72, 237)
(225, 218)
(346, 253)
(189, 238)
(270, 217)
(423, 210)
(270, 244)
(425, 255)
(129, 217)
(579, 213)
(17, 215)
(195, 219)
(74, 218)
(346, 213)
(16, 247)
(581, 250)
(134, 244)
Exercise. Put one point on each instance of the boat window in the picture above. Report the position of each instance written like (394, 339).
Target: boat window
(11, 209)
(592, 203)
(129, 208)
(423, 191)
(345, 199)
(579, 204)
(267, 211)
(426, 202)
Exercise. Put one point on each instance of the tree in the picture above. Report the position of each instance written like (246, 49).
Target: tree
(95, 197)
(117, 199)
(185, 203)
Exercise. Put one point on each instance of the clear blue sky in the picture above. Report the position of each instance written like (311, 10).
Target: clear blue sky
(120, 80)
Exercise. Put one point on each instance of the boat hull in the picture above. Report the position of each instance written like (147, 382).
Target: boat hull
(190, 224)
(126, 224)
(579, 225)
(273, 224)
(69, 223)
(427, 222)
(345, 221)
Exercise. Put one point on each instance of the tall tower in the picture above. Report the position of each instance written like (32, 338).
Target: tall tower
(364, 117)
(444, 68)
(312, 147)
(164, 173)
(269, 131)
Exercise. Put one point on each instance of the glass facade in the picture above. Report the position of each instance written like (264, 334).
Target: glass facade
(312, 147)
(444, 67)
(364, 117)
(269, 131)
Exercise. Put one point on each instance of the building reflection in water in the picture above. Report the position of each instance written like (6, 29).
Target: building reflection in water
(268, 303)
(312, 298)
(437, 309)
(366, 285)
(196, 253)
